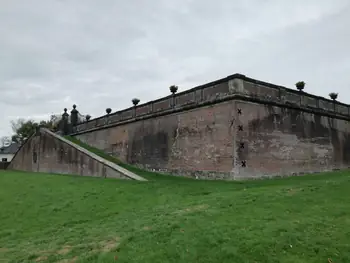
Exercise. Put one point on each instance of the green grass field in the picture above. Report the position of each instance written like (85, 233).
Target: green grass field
(52, 218)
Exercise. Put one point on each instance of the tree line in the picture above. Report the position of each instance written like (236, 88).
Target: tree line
(23, 129)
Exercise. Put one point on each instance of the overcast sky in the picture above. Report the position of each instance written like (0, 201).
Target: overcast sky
(103, 53)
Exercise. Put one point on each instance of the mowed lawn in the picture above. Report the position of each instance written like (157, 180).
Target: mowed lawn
(52, 218)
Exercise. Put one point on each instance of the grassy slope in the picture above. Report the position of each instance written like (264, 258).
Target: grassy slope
(146, 174)
(50, 217)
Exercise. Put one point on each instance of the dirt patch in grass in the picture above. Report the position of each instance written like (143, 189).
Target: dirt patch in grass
(294, 191)
(46, 253)
(68, 260)
(103, 246)
(107, 246)
(65, 250)
(41, 258)
(192, 209)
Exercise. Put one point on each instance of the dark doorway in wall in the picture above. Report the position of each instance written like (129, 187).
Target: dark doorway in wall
(35, 157)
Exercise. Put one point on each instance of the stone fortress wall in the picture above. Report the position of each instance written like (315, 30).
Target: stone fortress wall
(232, 128)
(49, 152)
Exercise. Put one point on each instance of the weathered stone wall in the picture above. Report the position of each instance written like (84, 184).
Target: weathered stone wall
(283, 141)
(235, 127)
(50, 153)
(183, 143)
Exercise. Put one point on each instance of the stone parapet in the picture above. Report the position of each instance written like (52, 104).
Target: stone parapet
(236, 86)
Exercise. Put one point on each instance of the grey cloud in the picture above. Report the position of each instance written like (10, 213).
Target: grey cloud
(101, 54)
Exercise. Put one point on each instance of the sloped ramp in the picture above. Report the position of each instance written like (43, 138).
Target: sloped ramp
(48, 152)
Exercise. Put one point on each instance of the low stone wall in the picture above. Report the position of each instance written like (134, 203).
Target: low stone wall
(48, 152)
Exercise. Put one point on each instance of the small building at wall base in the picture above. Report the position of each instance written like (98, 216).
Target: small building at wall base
(7, 153)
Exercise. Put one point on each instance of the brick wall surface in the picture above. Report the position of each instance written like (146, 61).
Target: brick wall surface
(185, 143)
(234, 128)
(282, 141)
(45, 153)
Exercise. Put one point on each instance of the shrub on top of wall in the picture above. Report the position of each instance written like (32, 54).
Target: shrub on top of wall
(135, 101)
(173, 89)
(300, 85)
(333, 95)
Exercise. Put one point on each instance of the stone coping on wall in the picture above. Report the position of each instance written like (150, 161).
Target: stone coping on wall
(231, 97)
(236, 86)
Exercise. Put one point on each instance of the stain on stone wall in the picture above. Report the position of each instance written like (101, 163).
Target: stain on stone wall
(282, 141)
